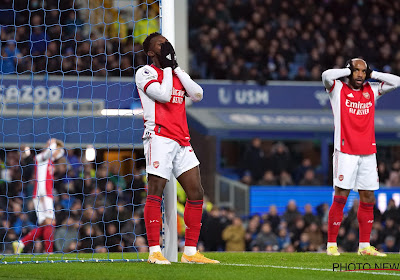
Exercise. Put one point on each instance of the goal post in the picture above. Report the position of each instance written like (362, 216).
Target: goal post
(170, 223)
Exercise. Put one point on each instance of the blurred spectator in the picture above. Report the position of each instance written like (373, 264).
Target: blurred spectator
(309, 179)
(66, 235)
(234, 236)
(301, 170)
(291, 213)
(252, 231)
(391, 212)
(383, 173)
(268, 179)
(309, 216)
(281, 158)
(253, 160)
(285, 179)
(272, 217)
(350, 243)
(390, 245)
(283, 239)
(211, 230)
(315, 235)
(266, 240)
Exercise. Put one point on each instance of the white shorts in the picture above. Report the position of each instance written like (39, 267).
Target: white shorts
(356, 172)
(164, 155)
(44, 207)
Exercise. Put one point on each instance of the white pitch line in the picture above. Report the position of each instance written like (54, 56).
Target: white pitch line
(309, 268)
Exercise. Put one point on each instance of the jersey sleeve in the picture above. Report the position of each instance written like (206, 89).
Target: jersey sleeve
(193, 89)
(376, 89)
(46, 154)
(147, 81)
(330, 77)
(388, 82)
(145, 76)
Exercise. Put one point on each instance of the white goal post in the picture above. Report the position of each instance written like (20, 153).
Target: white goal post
(170, 224)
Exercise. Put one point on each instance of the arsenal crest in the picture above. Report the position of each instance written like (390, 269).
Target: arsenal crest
(366, 95)
(156, 164)
(341, 177)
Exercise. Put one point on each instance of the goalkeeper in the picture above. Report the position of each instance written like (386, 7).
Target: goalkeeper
(43, 197)
(162, 89)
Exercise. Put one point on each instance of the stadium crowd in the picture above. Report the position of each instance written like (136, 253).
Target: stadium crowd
(270, 163)
(290, 40)
(293, 231)
(97, 210)
(235, 40)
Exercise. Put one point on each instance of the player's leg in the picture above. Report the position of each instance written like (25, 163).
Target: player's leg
(48, 224)
(159, 153)
(335, 218)
(187, 171)
(344, 174)
(367, 183)
(35, 233)
(190, 182)
(152, 211)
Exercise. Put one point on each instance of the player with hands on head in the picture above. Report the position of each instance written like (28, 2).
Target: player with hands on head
(354, 163)
(43, 197)
(162, 87)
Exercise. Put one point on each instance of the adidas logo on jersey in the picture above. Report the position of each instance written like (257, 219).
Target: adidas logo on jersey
(350, 95)
(169, 57)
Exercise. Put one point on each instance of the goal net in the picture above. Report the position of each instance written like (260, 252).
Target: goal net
(67, 71)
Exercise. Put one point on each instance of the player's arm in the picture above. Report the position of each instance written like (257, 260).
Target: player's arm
(388, 83)
(146, 80)
(329, 76)
(51, 147)
(193, 89)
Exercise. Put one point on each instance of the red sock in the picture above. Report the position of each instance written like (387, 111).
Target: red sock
(48, 238)
(152, 217)
(192, 218)
(335, 217)
(365, 217)
(32, 235)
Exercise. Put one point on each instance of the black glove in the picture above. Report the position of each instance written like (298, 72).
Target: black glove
(349, 64)
(168, 56)
(368, 72)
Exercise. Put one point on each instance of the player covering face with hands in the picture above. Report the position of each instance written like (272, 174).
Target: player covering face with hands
(354, 161)
(162, 88)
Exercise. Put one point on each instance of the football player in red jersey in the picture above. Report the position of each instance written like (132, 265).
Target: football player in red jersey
(354, 162)
(162, 88)
(43, 197)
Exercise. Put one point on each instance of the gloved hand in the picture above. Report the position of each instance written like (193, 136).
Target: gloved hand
(349, 64)
(168, 56)
(368, 72)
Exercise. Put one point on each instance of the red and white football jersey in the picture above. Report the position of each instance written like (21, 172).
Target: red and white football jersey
(165, 119)
(354, 112)
(44, 175)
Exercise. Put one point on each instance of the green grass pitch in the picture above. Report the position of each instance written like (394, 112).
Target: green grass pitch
(248, 266)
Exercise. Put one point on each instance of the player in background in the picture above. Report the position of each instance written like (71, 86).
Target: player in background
(162, 88)
(354, 161)
(43, 197)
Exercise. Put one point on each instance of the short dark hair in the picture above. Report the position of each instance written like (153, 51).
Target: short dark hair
(146, 42)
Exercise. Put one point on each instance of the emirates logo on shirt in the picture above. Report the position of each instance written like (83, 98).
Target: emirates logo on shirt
(358, 108)
(341, 177)
(156, 164)
(366, 95)
(177, 96)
